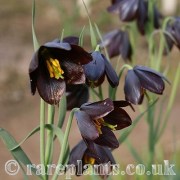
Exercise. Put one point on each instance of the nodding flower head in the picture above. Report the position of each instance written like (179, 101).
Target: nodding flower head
(142, 78)
(54, 65)
(117, 43)
(97, 120)
(101, 155)
(97, 69)
(130, 10)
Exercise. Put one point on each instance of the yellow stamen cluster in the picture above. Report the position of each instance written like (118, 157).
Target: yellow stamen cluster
(54, 68)
(88, 160)
(99, 122)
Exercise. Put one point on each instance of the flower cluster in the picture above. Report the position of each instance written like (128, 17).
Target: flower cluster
(64, 67)
(130, 10)
(59, 67)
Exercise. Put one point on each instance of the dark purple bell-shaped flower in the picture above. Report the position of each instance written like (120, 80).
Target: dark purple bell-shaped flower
(117, 43)
(130, 10)
(54, 65)
(97, 69)
(142, 78)
(97, 120)
(173, 34)
(81, 157)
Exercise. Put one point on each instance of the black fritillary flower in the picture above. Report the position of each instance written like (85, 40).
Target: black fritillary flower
(117, 43)
(130, 10)
(54, 65)
(76, 94)
(142, 78)
(173, 36)
(82, 158)
(97, 120)
(96, 70)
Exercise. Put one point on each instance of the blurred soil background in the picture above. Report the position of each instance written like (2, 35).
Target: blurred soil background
(19, 110)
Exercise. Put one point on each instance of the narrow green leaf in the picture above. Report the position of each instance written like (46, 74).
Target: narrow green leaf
(171, 101)
(81, 37)
(100, 37)
(35, 41)
(17, 152)
(92, 32)
(93, 35)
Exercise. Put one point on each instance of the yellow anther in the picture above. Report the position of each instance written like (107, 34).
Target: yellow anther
(50, 69)
(89, 160)
(54, 68)
(100, 122)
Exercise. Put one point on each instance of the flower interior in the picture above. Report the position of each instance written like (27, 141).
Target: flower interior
(88, 160)
(99, 122)
(54, 68)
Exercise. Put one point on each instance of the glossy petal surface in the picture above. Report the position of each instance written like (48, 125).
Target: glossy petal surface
(98, 109)
(86, 126)
(132, 88)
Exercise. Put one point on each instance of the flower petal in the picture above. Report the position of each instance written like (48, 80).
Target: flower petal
(96, 83)
(98, 109)
(104, 154)
(33, 81)
(77, 153)
(79, 55)
(118, 117)
(110, 73)
(142, 16)
(123, 103)
(33, 72)
(71, 40)
(133, 91)
(177, 32)
(169, 41)
(150, 81)
(34, 62)
(128, 10)
(56, 45)
(86, 126)
(125, 47)
(50, 89)
(95, 69)
(66, 51)
(114, 8)
(107, 139)
(76, 95)
(73, 73)
(112, 42)
(147, 69)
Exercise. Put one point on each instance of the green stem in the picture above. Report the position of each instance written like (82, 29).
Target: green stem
(160, 53)
(151, 115)
(49, 144)
(65, 140)
(112, 93)
(100, 93)
(171, 101)
(42, 134)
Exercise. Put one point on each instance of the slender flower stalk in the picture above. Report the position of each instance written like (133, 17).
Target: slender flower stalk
(65, 140)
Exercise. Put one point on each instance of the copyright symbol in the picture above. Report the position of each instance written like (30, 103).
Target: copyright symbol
(12, 167)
